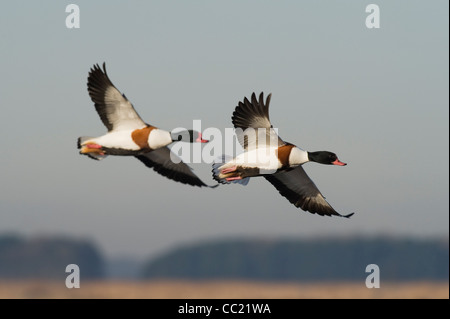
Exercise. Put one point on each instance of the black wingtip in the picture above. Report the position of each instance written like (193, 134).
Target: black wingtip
(261, 99)
(268, 99)
(254, 99)
(348, 216)
(96, 67)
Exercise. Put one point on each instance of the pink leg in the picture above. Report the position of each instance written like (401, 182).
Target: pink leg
(229, 179)
(93, 146)
(228, 170)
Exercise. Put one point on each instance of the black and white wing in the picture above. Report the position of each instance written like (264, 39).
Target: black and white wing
(116, 112)
(252, 123)
(301, 191)
(168, 164)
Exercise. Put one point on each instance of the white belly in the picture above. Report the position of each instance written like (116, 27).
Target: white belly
(262, 158)
(119, 139)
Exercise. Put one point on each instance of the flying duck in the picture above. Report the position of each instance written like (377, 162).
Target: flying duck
(266, 154)
(129, 135)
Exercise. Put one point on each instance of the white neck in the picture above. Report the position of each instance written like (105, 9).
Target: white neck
(298, 157)
(159, 138)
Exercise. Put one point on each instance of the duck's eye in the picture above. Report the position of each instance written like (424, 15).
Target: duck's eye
(180, 137)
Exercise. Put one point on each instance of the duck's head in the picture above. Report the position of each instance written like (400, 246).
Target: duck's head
(325, 157)
(189, 136)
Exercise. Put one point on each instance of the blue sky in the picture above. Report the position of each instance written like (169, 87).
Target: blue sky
(376, 97)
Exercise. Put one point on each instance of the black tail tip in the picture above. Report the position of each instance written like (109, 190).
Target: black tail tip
(218, 180)
(79, 142)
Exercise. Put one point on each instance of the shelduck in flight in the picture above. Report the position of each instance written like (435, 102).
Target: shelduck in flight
(129, 135)
(278, 161)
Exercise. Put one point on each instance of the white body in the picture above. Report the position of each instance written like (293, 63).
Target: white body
(123, 139)
(116, 139)
(266, 159)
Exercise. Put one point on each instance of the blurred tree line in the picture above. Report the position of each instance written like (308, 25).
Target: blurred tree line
(47, 257)
(306, 260)
(327, 259)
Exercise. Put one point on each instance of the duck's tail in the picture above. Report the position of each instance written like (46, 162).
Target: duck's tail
(90, 149)
(228, 174)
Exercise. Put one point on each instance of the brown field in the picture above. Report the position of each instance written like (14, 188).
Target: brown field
(220, 290)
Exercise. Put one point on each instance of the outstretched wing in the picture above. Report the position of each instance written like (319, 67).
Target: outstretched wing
(116, 112)
(301, 191)
(252, 124)
(161, 162)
